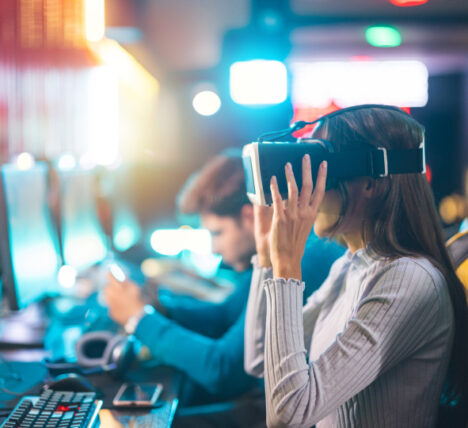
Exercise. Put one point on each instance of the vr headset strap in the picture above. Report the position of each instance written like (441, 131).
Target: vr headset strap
(406, 161)
(376, 163)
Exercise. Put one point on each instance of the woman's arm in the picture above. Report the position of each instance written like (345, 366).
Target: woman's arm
(254, 333)
(406, 309)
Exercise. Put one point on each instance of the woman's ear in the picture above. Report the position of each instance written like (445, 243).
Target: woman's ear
(368, 187)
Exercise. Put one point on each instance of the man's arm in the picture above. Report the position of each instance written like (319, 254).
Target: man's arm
(216, 364)
(207, 318)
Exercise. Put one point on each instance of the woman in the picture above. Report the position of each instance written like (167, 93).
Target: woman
(374, 345)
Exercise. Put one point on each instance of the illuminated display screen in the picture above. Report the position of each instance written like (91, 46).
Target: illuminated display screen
(83, 240)
(33, 241)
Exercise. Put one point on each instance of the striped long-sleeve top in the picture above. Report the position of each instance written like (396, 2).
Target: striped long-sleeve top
(370, 348)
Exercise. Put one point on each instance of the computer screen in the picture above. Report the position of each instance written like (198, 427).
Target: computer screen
(29, 247)
(83, 239)
(120, 188)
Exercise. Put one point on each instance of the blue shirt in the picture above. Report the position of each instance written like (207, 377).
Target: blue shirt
(206, 340)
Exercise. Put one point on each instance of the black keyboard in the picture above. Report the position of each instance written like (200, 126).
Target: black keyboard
(55, 409)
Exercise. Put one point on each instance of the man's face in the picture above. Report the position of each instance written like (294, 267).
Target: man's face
(232, 238)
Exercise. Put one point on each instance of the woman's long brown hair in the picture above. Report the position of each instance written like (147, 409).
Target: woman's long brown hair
(402, 221)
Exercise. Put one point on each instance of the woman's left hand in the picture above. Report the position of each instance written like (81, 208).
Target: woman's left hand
(293, 220)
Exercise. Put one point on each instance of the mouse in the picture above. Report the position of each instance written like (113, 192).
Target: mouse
(70, 382)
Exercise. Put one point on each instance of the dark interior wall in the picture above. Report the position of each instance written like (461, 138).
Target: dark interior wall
(464, 137)
(443, 120)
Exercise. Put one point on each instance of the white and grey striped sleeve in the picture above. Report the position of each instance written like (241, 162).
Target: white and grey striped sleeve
(254, 331)
(313, 306)
(392, 321)
(254, 335)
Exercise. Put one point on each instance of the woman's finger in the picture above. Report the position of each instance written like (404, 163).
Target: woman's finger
(306, 190)
(278, 208)
(319, 190)
(292, 190)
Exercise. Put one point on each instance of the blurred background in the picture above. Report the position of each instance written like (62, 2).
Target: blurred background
(140, 93)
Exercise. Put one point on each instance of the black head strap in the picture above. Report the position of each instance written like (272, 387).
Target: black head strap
(376, 163)
(296, 126)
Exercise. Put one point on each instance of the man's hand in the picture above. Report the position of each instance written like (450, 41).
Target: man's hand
(123, 299)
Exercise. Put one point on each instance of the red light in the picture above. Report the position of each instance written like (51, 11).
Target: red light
(407, 3)
(361, 58)
(407, 109)
(428, 174)
(62, 408)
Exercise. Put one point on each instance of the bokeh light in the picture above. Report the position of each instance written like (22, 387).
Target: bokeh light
(206, 103)
(258, 82)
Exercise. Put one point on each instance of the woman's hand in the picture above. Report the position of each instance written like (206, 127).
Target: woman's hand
(123, 299)
(262, 225)
(293, 221)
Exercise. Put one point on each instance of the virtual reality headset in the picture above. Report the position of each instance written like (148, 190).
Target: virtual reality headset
(264, 159)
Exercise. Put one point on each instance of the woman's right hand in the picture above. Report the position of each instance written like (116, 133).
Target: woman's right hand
(262, 217)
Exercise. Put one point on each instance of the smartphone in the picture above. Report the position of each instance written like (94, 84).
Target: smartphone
(138, 394)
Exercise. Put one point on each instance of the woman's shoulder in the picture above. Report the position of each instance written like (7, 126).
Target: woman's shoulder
(342, 262)
(415, 277)
(414, 267)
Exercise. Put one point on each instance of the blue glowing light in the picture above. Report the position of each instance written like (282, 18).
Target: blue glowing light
(205, 265)
(67, 276)
(66, 162)
(33, 240)
(127, 230)
(258, 82)
(124, 238)
(83, 239)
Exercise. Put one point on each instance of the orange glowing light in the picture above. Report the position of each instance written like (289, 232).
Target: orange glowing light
(95, 24)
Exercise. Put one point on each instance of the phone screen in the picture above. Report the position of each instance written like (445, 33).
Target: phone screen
(143, 394)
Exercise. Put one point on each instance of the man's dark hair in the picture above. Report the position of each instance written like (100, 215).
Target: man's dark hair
(218, 188)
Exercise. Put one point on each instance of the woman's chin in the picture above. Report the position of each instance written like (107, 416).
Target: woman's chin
(324, 223)
(319, 230)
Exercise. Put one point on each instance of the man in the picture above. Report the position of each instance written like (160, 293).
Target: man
(206, 340)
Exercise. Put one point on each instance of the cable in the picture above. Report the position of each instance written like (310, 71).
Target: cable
(12, 375)
(9, 391)
(276, 135)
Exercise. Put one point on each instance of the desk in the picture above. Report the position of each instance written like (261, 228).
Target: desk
(160, 416)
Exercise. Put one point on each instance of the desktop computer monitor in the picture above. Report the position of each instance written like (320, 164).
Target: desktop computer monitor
(83, 239)
(29, 245)
(126, 230)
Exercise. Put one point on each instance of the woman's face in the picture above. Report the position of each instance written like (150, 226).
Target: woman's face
(330, 210)
(328, 213)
